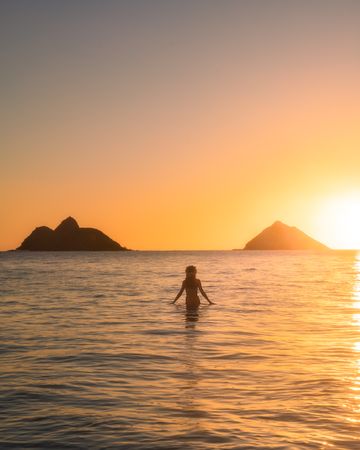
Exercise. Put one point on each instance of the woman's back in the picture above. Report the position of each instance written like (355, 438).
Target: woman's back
(191, 284)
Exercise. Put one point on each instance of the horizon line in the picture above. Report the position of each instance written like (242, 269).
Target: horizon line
(185, 250)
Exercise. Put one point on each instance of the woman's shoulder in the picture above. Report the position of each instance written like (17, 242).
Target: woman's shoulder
(191, 283)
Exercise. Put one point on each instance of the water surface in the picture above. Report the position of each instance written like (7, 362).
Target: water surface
(94, 356)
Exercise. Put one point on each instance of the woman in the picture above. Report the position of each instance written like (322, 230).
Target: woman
(191, 284)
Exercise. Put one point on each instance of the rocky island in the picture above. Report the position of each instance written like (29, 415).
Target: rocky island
(280, 236)
(68, 236)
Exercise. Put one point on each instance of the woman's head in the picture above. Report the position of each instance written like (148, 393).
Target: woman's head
(190, 271)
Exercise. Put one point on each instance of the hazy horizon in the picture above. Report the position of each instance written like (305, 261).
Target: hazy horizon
(209, 249)
(181, 125)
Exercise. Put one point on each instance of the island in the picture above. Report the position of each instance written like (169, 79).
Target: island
(280, 236)
(68, 236)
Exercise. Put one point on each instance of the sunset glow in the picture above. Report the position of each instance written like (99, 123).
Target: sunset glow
(339, 220)
(180, 224)
(181, 125)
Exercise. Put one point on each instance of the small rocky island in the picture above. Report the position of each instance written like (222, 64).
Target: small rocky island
(282, 237)
(68, 236)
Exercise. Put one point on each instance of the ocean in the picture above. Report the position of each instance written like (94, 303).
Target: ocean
(93, 355)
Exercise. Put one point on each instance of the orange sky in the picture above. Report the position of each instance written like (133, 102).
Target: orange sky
(181, 125)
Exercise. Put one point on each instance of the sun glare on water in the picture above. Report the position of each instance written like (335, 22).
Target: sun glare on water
(339, 221)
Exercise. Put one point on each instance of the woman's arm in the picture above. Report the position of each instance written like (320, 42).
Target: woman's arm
(180, 292)
(203, 293)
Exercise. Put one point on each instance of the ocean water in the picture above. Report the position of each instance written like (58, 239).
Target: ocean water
(94, 356)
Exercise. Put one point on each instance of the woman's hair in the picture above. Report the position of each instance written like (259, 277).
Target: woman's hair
(190, 271)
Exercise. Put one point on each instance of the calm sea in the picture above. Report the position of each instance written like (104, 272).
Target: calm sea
(94, 356)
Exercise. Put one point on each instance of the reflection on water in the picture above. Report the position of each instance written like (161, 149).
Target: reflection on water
(96, 358)
(354, 402)
(192, 373)
(356, 287)
(191, 316)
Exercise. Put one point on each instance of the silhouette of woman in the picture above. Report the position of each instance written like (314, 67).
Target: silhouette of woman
(191, 284)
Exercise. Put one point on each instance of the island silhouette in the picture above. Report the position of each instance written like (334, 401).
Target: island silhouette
(280, 236)
(68, 236)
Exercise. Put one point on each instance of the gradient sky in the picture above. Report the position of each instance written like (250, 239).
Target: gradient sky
(184, 124)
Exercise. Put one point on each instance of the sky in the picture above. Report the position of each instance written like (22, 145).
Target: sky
(180, 124)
